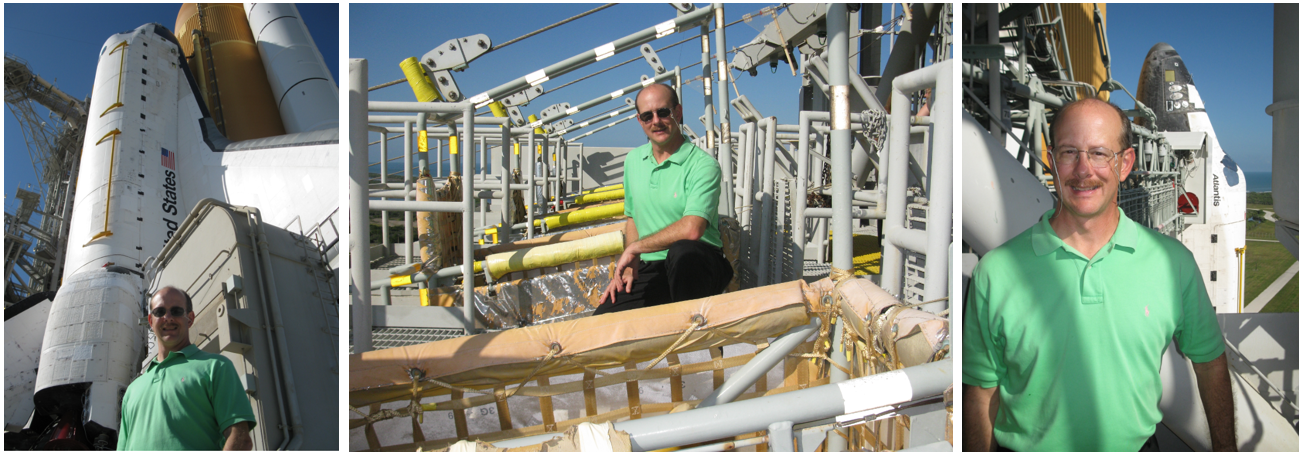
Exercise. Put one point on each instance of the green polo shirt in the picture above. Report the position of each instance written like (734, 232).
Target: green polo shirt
(1074, 345)
(656, 195)
(183, 403)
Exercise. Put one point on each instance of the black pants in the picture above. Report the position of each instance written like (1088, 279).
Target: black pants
(691, 270)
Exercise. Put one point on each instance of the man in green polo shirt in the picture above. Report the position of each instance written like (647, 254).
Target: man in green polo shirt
(185, 399)
(1065, 324)
(672, 235)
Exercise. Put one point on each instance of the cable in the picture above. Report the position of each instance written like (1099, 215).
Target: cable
(545, 29)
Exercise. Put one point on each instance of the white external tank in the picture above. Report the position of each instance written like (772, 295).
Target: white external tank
(305, 92)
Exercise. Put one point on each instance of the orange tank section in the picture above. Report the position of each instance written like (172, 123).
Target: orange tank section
(1084, 54)
(224, 59)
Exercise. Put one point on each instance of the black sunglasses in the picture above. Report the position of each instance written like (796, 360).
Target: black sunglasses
(661, 113)
(177, 311)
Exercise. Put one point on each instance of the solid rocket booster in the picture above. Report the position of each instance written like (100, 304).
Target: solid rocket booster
(1166, 86)
(302, 86)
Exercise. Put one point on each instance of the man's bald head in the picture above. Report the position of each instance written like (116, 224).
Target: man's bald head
(170, 290)
(1093, 106)
(662, 89)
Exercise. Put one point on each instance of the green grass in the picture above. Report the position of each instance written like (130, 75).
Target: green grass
(1265, 261)
(1268, 207)
(1262, 230)
(1288, 299)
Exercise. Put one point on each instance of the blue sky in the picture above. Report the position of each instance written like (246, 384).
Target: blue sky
(1229, 51)
(61, 43)
(374, 37)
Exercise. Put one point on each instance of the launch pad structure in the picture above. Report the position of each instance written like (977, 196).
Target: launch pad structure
(895, 167)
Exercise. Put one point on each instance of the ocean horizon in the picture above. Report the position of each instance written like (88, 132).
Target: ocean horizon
(1258, 181)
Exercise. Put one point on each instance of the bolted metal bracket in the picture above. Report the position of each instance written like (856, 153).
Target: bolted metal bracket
(524, 97)
(444, 83)
(684, 8)
(566, 123)
(651, 56)
(514, 114)
(555, 109)
(455, 54)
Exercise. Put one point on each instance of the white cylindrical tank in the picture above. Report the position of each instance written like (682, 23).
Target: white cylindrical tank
(305, 92)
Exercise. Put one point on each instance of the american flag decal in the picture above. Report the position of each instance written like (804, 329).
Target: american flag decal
(168, 159)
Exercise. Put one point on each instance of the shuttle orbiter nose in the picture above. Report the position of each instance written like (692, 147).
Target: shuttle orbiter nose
(1167, 88)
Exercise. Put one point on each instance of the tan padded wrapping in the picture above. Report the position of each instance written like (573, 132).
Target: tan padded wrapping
(606, 341)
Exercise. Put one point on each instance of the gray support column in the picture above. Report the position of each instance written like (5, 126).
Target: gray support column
(994, 71)
(800, 204)
(468, 279)
(422, 136)
(840, 138)
(939, 225)
(528, 167)
(768, 225)
(505, 148)
(359, 266)
(723, 108)
(407, 191)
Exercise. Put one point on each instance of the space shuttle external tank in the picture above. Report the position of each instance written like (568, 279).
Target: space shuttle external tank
(302, 86)
(224, 58)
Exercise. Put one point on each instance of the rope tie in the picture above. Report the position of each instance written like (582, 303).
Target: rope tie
(698, 321)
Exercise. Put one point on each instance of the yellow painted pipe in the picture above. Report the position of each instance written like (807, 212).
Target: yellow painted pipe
(583, 215)
(497, 109)
(618, 186)
(421, 85)
(600, 196)
(606, 244)
(533, 118)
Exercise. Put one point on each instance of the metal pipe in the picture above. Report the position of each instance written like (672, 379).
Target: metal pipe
(723, 111)
(468, 282)
(287, 373)
(588, 57)
(970, 71)
(506, 207)
(747, 132)
(825, 212)
(529, 168)
(939, 223)
(994, 68)
(359, 256)
(803, 159)
(418, 206)
(840, 152)
(726, 446)
(407, 189)
(813, 404)
(756, 368)
(768, 226)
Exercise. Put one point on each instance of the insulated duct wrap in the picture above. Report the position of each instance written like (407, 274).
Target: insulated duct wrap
(595, 342)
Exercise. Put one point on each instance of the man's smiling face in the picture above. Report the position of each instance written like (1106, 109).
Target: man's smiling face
(660, 131)
(1087, 191)
(172, 332)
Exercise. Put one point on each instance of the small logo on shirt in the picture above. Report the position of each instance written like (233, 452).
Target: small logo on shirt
(1148, 310)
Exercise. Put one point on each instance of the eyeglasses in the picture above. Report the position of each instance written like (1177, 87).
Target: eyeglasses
(1097, 157)
(647, 116)
(177, 311)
